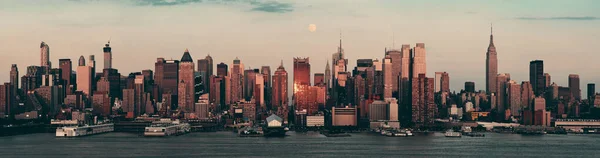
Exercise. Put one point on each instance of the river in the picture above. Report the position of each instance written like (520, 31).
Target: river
(227, 144)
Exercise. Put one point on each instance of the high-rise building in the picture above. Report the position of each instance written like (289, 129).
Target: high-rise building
(45, 56)
(301, 72)
(527, 95)
(237, 71)
(259, 90)
(280, 87)
(301, 84)
(114, 80)
(339, 63)
(514, 98)
(423, 107)
(388, 78)
(491, 68)
(14, 78)
(536, 76)
(167, 76)
(438, 81)
(470, 87)
(128, 104)
(249, 83)
(101, 104)
(419, 60)
(203, 71)
(67, 70)
(84, 77)
(501, 95)
(327, 76)
(186, 83)
(378, 80)
(107, 56)
(6, 100)
(548, 79)
(591, 90)
(319, 79)
(442, 82)
(222, 70)
(574, 86)
(266, 72)
(209, 68)
(396, 57)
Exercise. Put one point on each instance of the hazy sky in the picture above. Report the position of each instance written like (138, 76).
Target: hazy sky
(565, 34)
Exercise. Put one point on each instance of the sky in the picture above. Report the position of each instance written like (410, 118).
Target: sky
(456, 33)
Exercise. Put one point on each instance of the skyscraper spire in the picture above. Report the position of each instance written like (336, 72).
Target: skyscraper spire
(491, 46)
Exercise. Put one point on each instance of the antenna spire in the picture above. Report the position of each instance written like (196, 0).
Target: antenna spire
(491, 28)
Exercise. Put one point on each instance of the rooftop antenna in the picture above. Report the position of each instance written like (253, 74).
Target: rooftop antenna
(491, 28)
(109, 38)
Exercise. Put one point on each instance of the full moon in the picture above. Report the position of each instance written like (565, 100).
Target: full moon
(312, 27)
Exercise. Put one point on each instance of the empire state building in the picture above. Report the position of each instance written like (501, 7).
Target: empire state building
(491, 68)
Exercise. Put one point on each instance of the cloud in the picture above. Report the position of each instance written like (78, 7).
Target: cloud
(560, 18)
(273, 7)
(256, 5)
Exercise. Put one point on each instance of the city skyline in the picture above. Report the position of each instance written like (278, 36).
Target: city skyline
(517, 37)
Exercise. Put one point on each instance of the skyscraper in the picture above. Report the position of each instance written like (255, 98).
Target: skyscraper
(319, 79)
(249, 83)
(574, 86)
(14, 78)
(442, 82)
(107, 56)
(536, 76)
(301, 83)
(66, 70)
(501, 101)
(209, 61)
(237, 71)
(514, 98)
(167, 76)
(222, 70)
(423, 106)
(186, 83)
(491, 68)
(419, 60)
(266, 72)
(301, 72)
(327, 75)
(547, 79)
(84, 77)
(527, 95)
(388, 79)
(438, 81)
(396, 57)
(45, 56)
(445, 82)
(470, 87)
(591, 90)
(280, 87)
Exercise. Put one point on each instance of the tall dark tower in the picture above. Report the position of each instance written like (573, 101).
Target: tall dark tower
(536, 76)
(14, 78)
(491, 68)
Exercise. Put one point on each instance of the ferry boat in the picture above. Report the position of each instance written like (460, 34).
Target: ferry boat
(451, 133)
(166, 129)
(76, 131)
(250, 132)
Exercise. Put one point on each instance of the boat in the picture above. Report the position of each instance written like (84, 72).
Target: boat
(163, 129)
(250, 132)
(452, 133)
(77, 131)
(467, 131)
